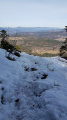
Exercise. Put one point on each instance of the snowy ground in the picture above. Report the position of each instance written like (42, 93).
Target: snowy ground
(33, 88)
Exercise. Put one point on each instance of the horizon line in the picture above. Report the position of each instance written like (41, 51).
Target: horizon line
(29, 27)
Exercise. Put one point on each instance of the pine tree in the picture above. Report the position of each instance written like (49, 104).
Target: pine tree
(4, 37)
(63, 49)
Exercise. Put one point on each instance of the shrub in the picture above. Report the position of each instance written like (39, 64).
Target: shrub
(17, 53)
(6, 45)
(10, 58)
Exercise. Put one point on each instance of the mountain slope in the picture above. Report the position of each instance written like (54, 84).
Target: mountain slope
(33, 88)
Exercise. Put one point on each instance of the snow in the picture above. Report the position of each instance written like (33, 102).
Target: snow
(33, 88)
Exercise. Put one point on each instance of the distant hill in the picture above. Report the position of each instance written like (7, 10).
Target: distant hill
(16, 30)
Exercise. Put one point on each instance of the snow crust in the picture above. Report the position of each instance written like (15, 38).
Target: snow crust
(33, 88)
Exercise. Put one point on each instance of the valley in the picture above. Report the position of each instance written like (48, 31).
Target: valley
(38, 43)
(44, 42)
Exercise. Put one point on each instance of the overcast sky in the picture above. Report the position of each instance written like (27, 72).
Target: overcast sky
(33, 13)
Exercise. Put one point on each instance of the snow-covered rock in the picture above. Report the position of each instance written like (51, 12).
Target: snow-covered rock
(33, 88)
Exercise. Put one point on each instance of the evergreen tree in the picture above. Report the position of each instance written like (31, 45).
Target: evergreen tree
(7, 46)
(3, 35)
(63, 49)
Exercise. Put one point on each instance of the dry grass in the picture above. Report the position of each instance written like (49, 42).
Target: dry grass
(35, 45)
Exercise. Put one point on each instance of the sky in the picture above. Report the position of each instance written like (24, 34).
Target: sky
(33, 13)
